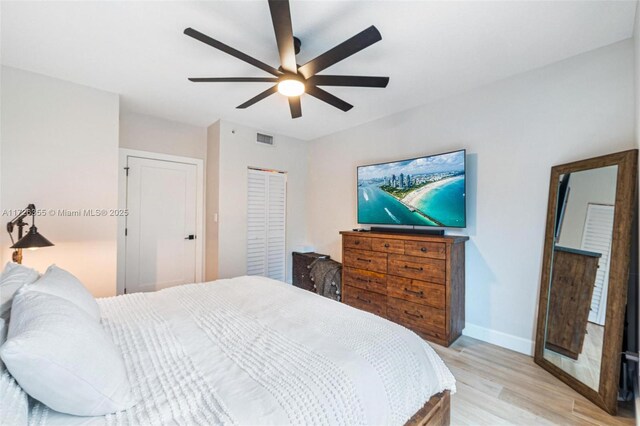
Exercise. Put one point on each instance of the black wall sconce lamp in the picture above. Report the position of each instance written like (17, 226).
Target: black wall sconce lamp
(32, 240)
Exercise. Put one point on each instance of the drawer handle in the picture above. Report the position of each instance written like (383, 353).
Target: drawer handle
(417, 293)
(363, 280)
(363, 300)
(413, 315)
(386, 245)
(357, 242)
(423, 249)
(363, 260)
(414, 268)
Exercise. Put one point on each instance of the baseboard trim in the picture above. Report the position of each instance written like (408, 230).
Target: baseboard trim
(498, 338)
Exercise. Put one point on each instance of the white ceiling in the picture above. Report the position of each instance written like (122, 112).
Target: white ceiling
(429, 49)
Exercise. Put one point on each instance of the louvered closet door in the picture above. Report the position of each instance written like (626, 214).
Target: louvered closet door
(596, 237)
(266, 224)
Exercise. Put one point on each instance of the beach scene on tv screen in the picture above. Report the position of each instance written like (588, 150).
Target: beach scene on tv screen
(426, 191)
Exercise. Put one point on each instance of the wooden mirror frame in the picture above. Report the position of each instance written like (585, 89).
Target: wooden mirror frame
(624, 215)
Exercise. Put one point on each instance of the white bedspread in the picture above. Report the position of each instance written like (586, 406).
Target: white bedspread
(251, 350)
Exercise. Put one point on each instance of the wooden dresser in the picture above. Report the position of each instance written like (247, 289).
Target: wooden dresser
(412, 279)
(573, 279)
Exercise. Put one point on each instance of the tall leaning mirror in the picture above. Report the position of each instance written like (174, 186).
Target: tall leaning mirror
(585, 273)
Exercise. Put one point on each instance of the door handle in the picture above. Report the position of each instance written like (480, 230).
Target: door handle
(190, 237)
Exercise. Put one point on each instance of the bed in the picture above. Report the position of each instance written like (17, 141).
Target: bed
(252, 350)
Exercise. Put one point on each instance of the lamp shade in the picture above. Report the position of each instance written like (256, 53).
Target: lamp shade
(33, 239)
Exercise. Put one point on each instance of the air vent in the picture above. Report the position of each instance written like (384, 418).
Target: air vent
(265, 139)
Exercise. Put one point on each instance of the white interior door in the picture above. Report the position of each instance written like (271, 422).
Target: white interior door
(161, 224)
(266, 224)
(596, 237)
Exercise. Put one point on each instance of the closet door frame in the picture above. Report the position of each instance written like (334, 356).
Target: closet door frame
(124, 154)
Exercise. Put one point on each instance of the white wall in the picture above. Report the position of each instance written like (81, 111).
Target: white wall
(238, 152)
(146, 133)
(60, 151)
(596, 186)
(514, 131)
(212, 177)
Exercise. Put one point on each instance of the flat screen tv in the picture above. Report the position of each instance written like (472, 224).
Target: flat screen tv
(425, 191)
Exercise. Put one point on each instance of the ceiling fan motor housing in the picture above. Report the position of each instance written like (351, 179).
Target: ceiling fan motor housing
(296, 45)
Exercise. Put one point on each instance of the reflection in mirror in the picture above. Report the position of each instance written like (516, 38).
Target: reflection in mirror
(579, 277)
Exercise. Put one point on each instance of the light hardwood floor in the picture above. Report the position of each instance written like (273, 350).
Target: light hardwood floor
(497, 386)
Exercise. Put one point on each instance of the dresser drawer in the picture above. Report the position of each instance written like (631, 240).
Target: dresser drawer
(365, 300)
(416, 291)
(424, 249)
(420, 268)
(365, 280)
(416, 317)
(363, 243)
(363, 259)
(387, 246)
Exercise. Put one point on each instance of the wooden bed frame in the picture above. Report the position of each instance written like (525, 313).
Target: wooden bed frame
(436, 412)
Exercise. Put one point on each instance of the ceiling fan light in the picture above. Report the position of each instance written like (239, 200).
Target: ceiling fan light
(291, 87)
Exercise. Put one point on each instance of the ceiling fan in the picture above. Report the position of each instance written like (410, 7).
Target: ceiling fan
(290, 79)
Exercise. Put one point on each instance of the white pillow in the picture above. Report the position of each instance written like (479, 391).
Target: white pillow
(3, 337)
(13, 277)
(3, 331)
(58, 282)
(63, 359)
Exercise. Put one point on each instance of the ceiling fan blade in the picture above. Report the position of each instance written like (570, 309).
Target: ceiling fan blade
(294, 105)
(348, 80)
(234, 80)
(259, 97)
(345, 49)
(281, 18)
(231, 51)
(328, 98)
